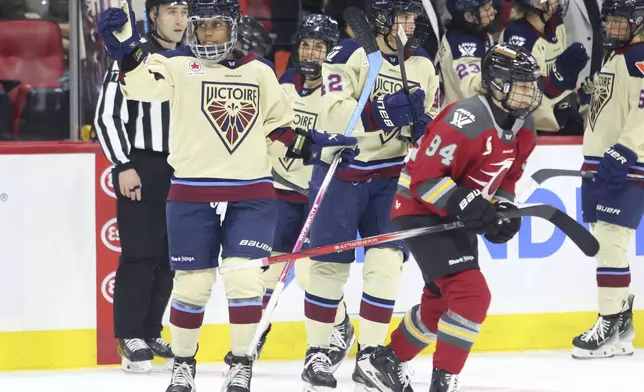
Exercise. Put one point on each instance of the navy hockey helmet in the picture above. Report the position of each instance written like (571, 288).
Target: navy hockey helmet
(542, 9)
(253, 37)
(622, 20)
(483, 14)
(207, 17)
(512, 72)
(380, 13)
(149, 4)
(320, 27)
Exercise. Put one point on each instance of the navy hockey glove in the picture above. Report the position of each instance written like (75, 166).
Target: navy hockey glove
(506, 229)
(398, 109)
(117, 28)
(569, 119)
(567, 66)
(476, 213)
(613, 168)
(416, 131)
(308, 145)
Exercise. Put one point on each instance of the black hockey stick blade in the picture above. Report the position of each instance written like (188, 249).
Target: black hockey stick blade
(577, 233)
(358, 23)
(283, 181)
(542, 175)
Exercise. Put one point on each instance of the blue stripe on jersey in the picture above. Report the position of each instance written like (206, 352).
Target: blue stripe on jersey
(218, 181)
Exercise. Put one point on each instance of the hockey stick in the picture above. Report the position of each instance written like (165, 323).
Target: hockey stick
(283, 181)
(401, 41)
(542, 175)
(584, 240)
(356, 20)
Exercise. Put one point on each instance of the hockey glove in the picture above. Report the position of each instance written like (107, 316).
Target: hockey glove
(308, 145)
(117, 28)
(476, 213)
(585, 92)
(612, 169)
(567, 66)
(416, 131)
(398, 109)
(506, 229)
(569, 119)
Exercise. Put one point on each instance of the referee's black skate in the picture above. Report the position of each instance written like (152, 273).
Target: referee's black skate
(228, 359)
(183, 375)
(239, 376)
(378, 369)
(444, 382)
(600, 340)
(342, 340)
(136, 356)
(317, 375)
(160, 348)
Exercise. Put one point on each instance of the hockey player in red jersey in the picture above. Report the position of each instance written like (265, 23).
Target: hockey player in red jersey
(465, 167)
(229, 116)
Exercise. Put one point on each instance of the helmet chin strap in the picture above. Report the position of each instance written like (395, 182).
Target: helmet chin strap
(156, 34)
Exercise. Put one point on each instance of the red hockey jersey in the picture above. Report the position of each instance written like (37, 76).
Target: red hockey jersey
(463, 147)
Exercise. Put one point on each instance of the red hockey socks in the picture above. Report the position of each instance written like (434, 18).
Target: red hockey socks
(468, 299)
(417, 330)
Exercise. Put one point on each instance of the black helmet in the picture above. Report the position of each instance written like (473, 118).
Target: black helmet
(632, 10)
(506, 64)
(316, 26)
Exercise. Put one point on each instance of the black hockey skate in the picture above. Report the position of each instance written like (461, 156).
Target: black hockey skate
(444, 382)
(160, 348)
(342, 340)
(626, 330)
(228, 359)
(317, 375)
(136, 356)
(378, 369)
(600, 340)
(239, 376)
(183, 375)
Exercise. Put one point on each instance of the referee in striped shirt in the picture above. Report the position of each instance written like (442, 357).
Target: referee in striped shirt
(135, 138)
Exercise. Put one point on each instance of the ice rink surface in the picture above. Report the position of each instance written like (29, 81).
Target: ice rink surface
(511, 372)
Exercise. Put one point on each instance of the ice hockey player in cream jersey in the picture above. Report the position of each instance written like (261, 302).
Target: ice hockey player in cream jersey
(465, 42)
(614, 150)
(538, 26)
(360, 198)
(228, 114)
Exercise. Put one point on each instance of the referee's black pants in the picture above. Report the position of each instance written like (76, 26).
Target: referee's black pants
(143, 279)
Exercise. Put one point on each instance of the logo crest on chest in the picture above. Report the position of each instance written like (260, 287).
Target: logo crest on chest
(232, 110)
(602, 93)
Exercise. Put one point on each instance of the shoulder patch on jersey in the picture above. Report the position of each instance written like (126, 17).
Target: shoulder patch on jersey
(288, 76)
(520, 33)
(469, 117)
(181, 51)
(634, 58)
(464, 45)
(341, 52)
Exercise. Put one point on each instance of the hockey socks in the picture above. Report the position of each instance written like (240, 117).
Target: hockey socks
(185, 327)
(468, 299)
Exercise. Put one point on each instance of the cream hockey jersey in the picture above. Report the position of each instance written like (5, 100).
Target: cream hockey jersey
(344, 73)
(616, 113)
(545, 48)
(306, 104)
(460, 56)
(226, 119)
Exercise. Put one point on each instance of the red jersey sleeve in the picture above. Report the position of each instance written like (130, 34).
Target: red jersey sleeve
(526, 142)
(436, 164)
